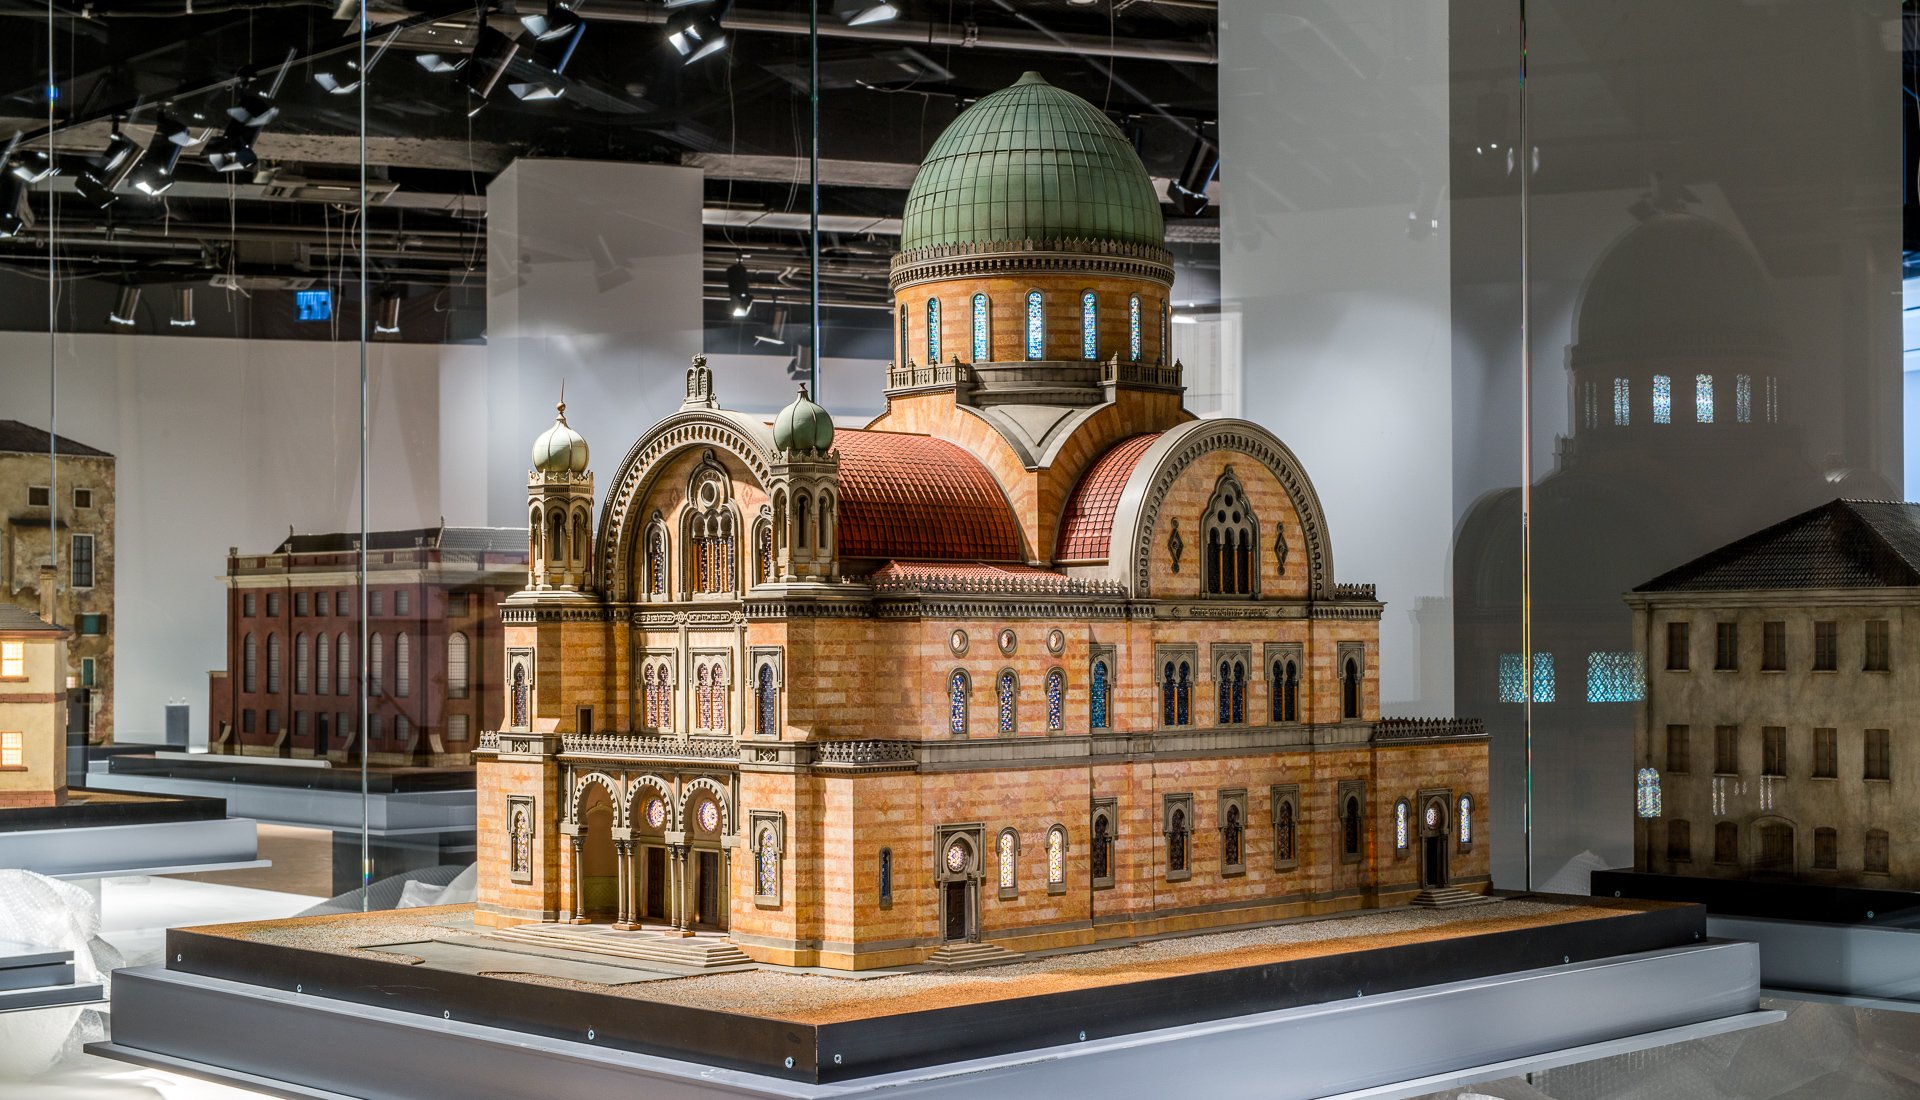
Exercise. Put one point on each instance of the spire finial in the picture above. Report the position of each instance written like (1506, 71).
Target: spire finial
(560, 407)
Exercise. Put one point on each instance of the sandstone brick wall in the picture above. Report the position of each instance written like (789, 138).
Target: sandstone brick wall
(1007, 317)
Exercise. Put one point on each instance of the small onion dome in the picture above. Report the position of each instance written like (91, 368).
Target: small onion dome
(803, 426)
(560, 449)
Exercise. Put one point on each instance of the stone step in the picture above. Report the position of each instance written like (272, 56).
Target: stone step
(1448, 897)
(955, 956)
(691, 952)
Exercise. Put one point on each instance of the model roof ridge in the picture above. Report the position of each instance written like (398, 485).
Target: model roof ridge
(15, 619)
(19, 437)
(1864, 544)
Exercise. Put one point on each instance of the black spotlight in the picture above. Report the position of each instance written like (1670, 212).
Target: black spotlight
(155, 172)
(124, 312)
(739, 290)
(16, 217)
(386, 322)
(33, 166)
(1188, 192)
(233, 151)
(698, 34)
(557, 22)
(855, 13)
(551, 53)
(182, 308)
(347, 78)
(493, 54)
(104, 173)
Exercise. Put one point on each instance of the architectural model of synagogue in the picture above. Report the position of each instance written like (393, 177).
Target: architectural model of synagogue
(1781, 690)
(1036, 659)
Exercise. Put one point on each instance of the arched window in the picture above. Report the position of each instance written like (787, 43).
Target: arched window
(1089, 326)
(766, 876)
(1183, 697)
(1036, 325)
(1402, 825)
(658, 690)
(1102, 854)
(249, 665)
(1465, 822)
(457, 674)
(1097, 701)
(556, 540)
(1232, 691)
(1286, 691)
(763, 554)
(1166, 336)
(520, 696)
(982, 350)
(1056, 699)
(906, 353)
(933, 331)
(322, 664)
(802, 519)
(1232, 839)
(1233, 537)
(376, 662)
(579, 537)
(767, 710)
(1283, 834)
(1133, 328)
(885, 877)
(1056, 856)
(957, 703)
(1646, 792)
(273, 662)
(1168, 690)
(302, 663)
(1008, 851)
(710, 532)
(1177, 841)
(1009, 689)
(657, 561)
(1350, 689)
(343, 658)
(402, 665)
(710, 696)
(1350, 826)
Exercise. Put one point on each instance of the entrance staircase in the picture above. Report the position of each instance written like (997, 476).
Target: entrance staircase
(703, 951)
(1448, 897)
(959, 956)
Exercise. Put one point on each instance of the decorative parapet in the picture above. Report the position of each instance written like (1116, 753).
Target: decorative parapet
(1354, 592)
(934, 376)
(647, 744)
(1429, 729)
(1113, 372)
(489, 741)
(863, 752)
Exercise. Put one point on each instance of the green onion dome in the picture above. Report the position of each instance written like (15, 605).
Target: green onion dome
(803, 426)
(560, 449)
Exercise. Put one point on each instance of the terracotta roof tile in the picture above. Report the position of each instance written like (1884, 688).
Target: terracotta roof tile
(1087, 524)
(1840, 544)
(917, 497)
(941, 576)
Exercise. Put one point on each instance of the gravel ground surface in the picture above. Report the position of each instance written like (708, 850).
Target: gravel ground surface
(817, 998)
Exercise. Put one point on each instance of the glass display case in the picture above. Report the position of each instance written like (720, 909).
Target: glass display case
(835, 504)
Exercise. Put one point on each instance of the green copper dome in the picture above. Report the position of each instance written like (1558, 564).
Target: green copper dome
(803, 426)
(1031, 162)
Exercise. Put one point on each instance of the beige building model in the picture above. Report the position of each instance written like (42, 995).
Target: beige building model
(33, 698)
(59, 506)
(1036, 659)
(1782, 684)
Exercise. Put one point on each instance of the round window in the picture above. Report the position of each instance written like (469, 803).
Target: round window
(956, 856)
(1433, 816)
(656, 813)
(708, 816)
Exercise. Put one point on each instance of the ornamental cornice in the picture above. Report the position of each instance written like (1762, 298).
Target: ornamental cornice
(986, 259)
(649, 746)
(511, 614)
(660, 620)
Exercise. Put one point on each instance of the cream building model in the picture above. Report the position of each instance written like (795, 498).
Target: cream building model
(33, 698)
(1035, 659)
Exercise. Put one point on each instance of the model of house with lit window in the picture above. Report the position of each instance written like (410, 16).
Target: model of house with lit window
(1035, 659)
(33, 700)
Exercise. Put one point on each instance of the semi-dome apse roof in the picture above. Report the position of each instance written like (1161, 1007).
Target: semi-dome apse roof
(1031, 161)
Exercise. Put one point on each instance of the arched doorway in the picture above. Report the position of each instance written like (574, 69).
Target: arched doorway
(1433, 842)
(650, 818)
(959, 877)
(599, 869)
(706, 862)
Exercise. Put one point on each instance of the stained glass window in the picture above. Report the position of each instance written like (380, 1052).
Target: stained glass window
(768, 883)
(702, 700)
(957, 703)
(905, 353)
(1006, 860)
(1616, 678)
(1009, 692)
(1773, 400)
(1089, 327)
(1183, 697)
(1097, 704)
(1230, 836)
(933, 331)
(1056, 692)
(1662, 399)
(1703, 398)
(1283, 833)
(886, 876)
(657, 562)
(708, 816)
(1513, 679)
(764, 552)
(768, 718)
(981, 352)
(1036, 325)
(1622, 403)
(1233, 692)
(1133, 328)
(1400, 825)
(1167, 692)
(520, 696)
(1225, 692)
(1177, 841)
(1466, 821)
(1056, 856)
(1646, 793)
(1166, 335)
(1743, 398)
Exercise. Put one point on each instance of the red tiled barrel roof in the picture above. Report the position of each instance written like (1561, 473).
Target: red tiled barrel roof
(917, 497)
(1087, 524)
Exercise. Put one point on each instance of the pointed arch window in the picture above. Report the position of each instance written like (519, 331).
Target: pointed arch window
(1232, 840)
(767, 710)
(982, 349)
(273, 662)
(1286, 690)
(1036, 324)
(657, 561)
(1168, 690)
(710, 696)
(343, 657)
(1097, 701)
(933, 331)
(402, 666)
(1284, 834)
(1008, 851)
(322, 664)
(1101, 855)
(520, 696)
(957, 702)
(1009, 690)
(1232, 536)
(1133, 328)
(1056, 699)
(1350, 689)
(458, 673)
(1056, 859)
(763, 554)
(1089, 326)
(1232, 691)
(1183, 696)
(657, 690)
(302, 658)
(1177, 834)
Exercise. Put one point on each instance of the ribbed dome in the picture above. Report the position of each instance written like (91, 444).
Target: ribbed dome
(1682, 284)
(560, 449)
(803, 426)
(1031, 162)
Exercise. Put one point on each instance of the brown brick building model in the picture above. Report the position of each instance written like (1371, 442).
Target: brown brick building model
(1036, 659)
(291, 686)
(63, 503)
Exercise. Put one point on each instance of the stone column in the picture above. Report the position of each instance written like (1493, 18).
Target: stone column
(621, 906)
(579, 889)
